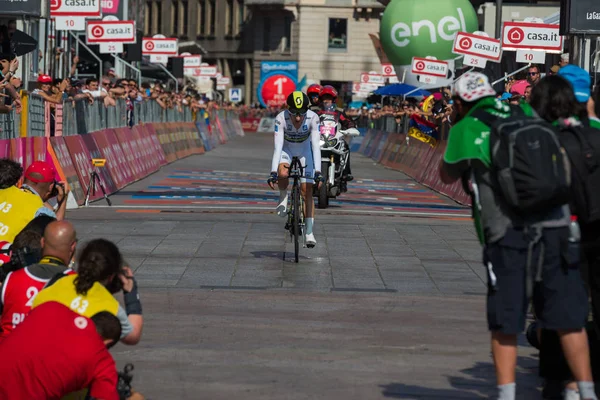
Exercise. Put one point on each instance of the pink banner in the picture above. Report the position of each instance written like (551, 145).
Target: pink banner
(104, 172)
(112, 163)
(133, 158)
(5, 148)
(68, 169)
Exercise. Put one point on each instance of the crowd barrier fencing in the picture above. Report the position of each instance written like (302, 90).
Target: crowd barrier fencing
(131, 153)
(416, 159)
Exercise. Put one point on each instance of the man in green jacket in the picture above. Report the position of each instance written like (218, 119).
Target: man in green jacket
(561, 302)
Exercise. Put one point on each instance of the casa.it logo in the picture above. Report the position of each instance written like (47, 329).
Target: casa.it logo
(516, 35)
(149, 46)
(420, 66)
(55, 5)
(97, 31)
(465, 43)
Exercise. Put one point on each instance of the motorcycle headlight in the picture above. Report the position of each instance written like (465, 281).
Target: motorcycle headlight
(332, 142)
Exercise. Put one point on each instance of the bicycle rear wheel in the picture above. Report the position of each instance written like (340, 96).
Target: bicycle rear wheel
(296, 222)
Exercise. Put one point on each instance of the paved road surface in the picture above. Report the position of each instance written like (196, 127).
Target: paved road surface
(390, 304)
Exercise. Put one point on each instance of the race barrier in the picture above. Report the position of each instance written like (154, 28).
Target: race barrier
(131, 153)
(416, 159)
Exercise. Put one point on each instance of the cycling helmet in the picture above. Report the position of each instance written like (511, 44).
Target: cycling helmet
(330, 90)
(298, 102)
(313, 90)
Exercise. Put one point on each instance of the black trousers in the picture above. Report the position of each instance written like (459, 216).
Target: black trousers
(553, 365)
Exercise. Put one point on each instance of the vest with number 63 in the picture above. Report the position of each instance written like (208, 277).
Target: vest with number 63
(97, 299)
(17, 209)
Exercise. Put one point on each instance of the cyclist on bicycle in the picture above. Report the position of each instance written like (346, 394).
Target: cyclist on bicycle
(297, 135)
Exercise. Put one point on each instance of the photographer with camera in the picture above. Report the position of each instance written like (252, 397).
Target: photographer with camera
(40, 180)
(17, 207)
(100, 274)
(58, 244)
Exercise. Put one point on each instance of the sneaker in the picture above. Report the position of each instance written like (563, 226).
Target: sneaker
(349, 178)
(310, 240)
(282, 207)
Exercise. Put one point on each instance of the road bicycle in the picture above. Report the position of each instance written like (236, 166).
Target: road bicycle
(295, 223)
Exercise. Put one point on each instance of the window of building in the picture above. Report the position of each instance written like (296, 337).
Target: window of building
(200, 17)
(338, 34)
(266, 33)
(212, 17)
(287, 33)
(183, 18)
(148, 19)
(174, 18)
(240, 16)
(230, 17)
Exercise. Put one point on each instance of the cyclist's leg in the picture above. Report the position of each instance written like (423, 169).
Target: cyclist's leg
(283, 172)
(309, 205)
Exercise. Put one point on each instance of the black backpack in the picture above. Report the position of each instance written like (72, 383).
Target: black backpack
(582, 145)
(528, 162)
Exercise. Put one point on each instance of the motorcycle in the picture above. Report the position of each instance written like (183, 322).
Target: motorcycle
(334, 156)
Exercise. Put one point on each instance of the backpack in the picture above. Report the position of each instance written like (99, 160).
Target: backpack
(582, 145)
(530, 166)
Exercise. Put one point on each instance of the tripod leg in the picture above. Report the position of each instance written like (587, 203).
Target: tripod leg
(103, 191)
(89, 190)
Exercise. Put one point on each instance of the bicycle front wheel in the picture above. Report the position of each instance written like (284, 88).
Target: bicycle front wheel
(296, 222)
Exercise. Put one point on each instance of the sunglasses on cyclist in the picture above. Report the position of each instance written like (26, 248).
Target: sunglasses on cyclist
(297, 113)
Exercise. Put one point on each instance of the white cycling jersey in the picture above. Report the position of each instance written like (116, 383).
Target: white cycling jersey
(302, 142)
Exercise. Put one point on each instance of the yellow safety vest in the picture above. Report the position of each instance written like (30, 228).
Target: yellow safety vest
(97, 299)
(17, 209)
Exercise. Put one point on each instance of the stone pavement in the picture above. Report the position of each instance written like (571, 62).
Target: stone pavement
(391, 303)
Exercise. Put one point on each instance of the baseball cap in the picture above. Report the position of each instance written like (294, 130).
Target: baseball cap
(505, 96)
(473, 86)
(579, 79)
(42, 168)
(43, 78)
(519, 87)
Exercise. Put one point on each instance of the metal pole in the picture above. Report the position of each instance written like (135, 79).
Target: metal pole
(498, 18)
(511, 74)
(139, 72)
(171, 75)
(90, 51)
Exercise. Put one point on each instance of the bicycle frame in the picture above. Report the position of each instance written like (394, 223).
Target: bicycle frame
(296, 209)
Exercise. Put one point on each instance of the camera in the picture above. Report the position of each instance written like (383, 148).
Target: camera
(54, 192)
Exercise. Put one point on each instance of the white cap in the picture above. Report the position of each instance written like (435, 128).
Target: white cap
(473, 86)
(564, 57)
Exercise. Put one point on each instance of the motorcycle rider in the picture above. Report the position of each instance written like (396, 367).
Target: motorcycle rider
(297, 135)
(313, 92)
(328, 111)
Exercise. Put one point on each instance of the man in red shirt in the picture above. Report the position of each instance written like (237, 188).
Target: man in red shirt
(21, 286)
(56, 351)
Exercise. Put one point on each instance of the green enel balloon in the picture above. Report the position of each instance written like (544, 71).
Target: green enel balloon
(420, 28)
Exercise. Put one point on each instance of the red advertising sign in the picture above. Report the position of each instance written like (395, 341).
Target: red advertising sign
(275, 89)
(66, 164)
(158, 150)
(103, 172)
(147, 149)
(250, 124)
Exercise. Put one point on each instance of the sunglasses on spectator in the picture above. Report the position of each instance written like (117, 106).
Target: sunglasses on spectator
(105, 83)
(532, 73)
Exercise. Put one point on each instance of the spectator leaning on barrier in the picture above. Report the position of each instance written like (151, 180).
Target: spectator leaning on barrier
(56, 352)
(40, 181)
(100, 275)
(18, 289)
(8, 66)
(515, 242)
